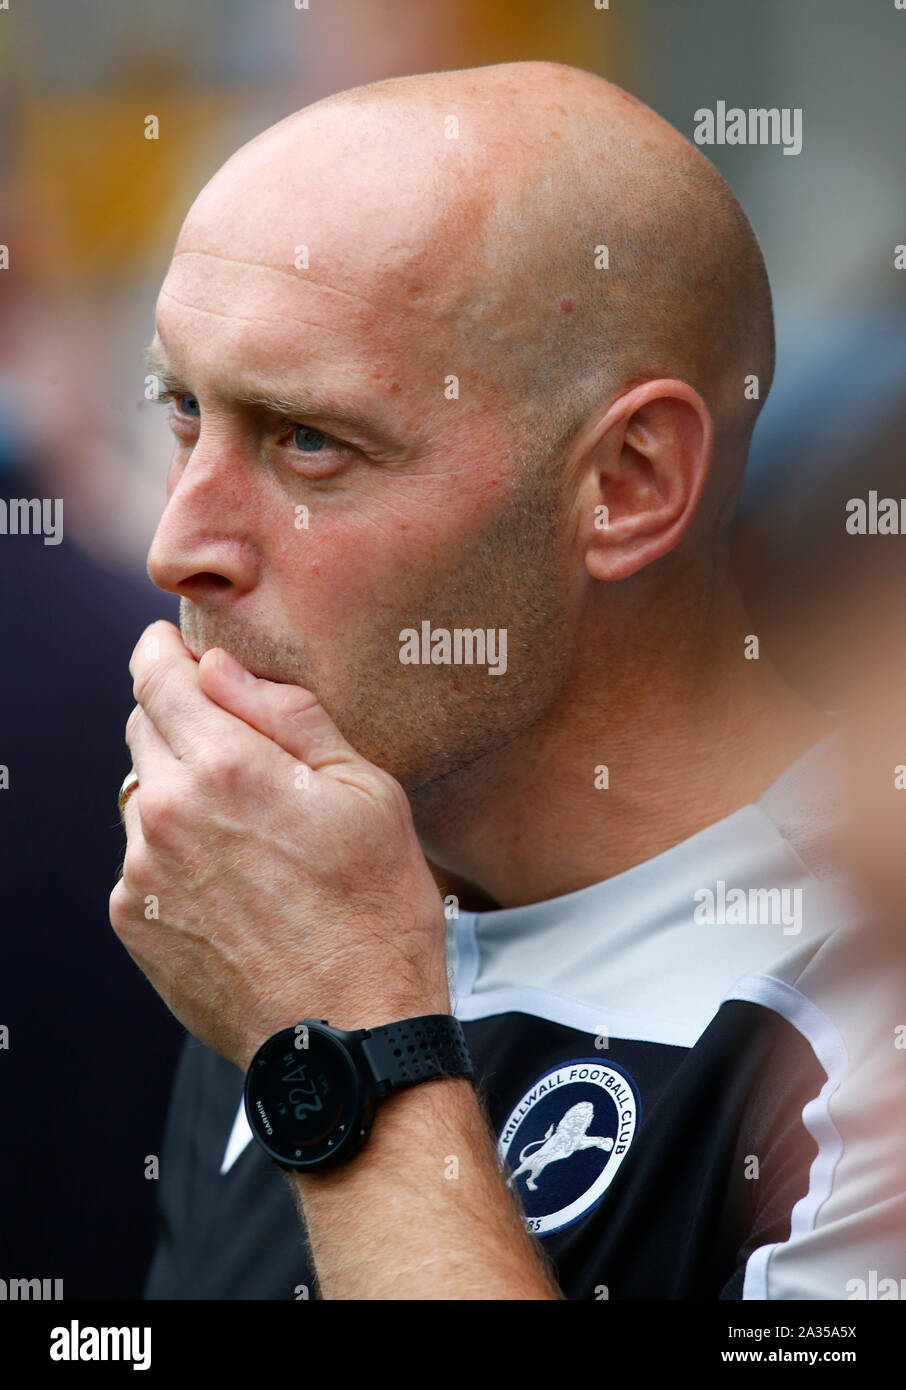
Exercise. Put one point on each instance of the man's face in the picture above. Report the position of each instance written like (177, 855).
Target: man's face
(328, 489)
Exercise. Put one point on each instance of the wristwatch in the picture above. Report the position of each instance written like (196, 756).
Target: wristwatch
(311, 1091)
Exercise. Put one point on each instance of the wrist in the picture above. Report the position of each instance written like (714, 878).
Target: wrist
(312, 1090)
(348, 1011)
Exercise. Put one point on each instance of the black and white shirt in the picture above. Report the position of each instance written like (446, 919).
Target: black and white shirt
(695, 1070)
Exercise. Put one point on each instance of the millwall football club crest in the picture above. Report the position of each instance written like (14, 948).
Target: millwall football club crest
(565, 1139)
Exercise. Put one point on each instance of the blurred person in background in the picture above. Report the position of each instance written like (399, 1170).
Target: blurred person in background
(78, 1164)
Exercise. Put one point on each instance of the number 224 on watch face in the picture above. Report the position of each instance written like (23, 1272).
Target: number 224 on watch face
(305, 1100)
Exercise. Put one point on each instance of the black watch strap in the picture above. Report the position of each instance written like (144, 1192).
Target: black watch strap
(418, 1049)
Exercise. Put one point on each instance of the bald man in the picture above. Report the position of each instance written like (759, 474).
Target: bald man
(466, 723)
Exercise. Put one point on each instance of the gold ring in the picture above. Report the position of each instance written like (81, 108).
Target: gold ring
(130, 782)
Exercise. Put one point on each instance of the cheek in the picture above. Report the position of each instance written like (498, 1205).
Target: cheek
(353, 548)
(339, 567)
(350, 566)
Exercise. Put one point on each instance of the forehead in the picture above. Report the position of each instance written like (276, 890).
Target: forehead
(322, 247)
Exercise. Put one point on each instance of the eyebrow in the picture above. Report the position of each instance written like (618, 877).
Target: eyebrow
(293, 407)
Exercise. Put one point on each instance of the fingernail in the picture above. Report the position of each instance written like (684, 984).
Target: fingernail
(232, 669)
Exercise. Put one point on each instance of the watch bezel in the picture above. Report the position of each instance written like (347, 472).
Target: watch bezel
(362, 1107)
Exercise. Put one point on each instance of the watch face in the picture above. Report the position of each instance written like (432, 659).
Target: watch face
(303, 1097)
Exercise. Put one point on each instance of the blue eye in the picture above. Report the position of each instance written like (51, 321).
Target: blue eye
(307, 440)
(187, 405)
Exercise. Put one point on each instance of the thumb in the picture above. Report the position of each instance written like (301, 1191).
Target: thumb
(290, 715)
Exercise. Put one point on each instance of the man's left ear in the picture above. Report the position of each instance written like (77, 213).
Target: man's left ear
(643, 466)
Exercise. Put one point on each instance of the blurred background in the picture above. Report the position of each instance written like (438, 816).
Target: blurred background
(89, 210)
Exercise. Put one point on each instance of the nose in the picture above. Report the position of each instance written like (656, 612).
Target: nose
(203, 547)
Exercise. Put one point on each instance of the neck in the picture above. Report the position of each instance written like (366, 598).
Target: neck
(686, 727)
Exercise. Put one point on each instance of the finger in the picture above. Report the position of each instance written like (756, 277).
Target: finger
(165, 684)
(151, 753)
(288, 714)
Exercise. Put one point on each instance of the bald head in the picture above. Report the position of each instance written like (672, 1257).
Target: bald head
(562, 239)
